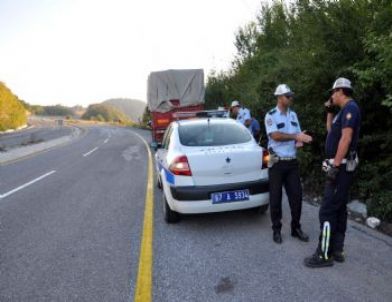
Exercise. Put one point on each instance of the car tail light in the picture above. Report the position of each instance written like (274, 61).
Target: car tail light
(265, 159)
(180, 166)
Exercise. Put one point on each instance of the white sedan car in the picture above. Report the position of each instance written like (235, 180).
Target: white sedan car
(210, 165)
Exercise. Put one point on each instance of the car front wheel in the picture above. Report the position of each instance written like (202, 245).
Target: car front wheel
(169, 215)
(159, 182)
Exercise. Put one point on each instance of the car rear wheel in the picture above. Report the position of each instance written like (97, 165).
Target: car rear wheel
(169, 215)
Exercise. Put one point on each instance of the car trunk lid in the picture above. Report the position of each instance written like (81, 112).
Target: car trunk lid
(225, 164)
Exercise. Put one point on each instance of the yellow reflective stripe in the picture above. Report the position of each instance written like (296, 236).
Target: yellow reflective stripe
(144, 277)
(326, 234)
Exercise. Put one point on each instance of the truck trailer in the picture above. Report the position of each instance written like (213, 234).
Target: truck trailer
(173, 94)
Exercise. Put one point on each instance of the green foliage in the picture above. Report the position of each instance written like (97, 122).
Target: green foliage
(37, 110)
(57, 110)
(381, 205)
(33, 109)
(146, 116)
(104, 113)
(12, 111)
(133, 109)
(308, 44)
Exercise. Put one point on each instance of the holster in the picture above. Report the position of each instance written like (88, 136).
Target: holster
(273, 158)
(352, 161)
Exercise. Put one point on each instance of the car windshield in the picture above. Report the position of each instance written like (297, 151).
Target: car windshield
(213, 134)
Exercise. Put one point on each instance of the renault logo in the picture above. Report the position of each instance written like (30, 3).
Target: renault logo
(228, 159)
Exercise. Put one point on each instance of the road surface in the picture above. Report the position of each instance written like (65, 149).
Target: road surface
(71, 222)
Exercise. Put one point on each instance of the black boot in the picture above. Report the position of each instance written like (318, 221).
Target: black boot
(277, 237)
(318, 260)
(299, 234)
(339, 256)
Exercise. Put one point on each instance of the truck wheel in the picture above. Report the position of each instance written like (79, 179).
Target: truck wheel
(169, 215)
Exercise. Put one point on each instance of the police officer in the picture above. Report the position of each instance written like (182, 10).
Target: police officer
(284, 137)
(254, 129)
(241, 114)
(341, 144)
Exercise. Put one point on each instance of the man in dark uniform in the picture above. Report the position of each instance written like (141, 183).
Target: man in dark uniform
(341, 145)
(284, 137)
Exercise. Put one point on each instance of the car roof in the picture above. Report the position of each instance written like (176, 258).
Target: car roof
(200, 121)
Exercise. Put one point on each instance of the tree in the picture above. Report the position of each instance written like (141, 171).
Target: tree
(104, 112)
(12, 112)
(308, 44)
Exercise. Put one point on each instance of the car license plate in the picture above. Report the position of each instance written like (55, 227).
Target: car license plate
(230, 196)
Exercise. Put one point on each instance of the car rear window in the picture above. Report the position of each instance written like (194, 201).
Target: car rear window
(210, 134)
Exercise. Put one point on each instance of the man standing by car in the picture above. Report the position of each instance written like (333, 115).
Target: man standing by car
(241, 114)
(284, 137)
(342, 160)
(254, 129)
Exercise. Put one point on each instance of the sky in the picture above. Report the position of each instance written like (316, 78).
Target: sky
(78, 52)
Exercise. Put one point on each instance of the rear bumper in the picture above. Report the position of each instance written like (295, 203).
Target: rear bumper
(206, 206)
(194, 193)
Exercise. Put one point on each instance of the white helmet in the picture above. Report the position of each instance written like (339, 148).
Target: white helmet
(283, 89)
(235, 103)
(342, 83)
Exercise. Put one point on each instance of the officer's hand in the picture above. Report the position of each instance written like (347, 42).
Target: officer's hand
(332, 172)
(303, 138)
(329, 106)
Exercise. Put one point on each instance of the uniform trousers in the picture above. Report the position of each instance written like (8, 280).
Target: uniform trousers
(334, 209)
(285, 173)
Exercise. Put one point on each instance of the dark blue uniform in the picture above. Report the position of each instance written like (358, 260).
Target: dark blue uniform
(333, 208)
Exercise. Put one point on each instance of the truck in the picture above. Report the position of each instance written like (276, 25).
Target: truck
(173, 94)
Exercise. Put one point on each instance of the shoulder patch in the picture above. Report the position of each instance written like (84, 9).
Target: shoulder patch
(269, 122)
(272, 111)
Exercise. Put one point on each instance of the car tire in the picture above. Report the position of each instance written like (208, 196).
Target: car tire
(169, 215)
(159, 183)
(261, 209)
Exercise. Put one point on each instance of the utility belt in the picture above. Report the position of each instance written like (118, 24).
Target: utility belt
(330, 161)
(274, 158)
(286, 158)
(351, 162)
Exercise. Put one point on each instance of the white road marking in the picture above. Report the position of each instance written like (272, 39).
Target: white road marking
(106, 140)
(89, 152)
(26, 184)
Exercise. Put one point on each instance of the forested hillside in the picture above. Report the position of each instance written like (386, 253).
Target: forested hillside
(12, 112)
(308, 44)
(104, 113)
(55, 110)
(132, 108)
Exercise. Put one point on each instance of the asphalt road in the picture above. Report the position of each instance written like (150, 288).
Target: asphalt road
(74, 235)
